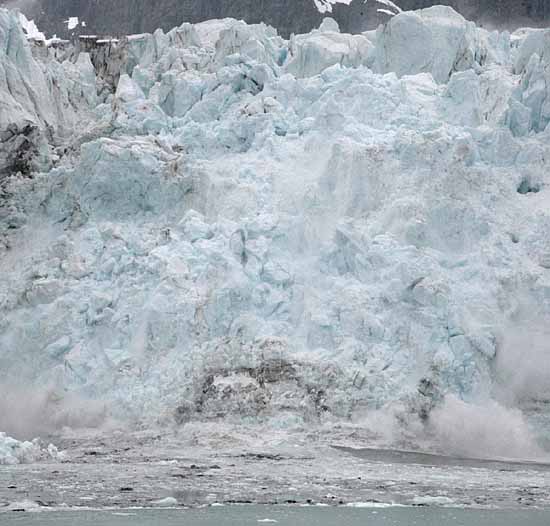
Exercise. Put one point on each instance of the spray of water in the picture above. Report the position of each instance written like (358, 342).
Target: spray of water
(484, 429)
(29, 412)
(522, 367)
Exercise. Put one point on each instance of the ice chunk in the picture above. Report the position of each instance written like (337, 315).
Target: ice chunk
(528, 43)
(312, 53)
(330, 25)
(167, 502)
(532, 98)
(119, 178)
(436, 40)
(13, 451)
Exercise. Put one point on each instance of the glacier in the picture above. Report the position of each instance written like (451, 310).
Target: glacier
(218, 223)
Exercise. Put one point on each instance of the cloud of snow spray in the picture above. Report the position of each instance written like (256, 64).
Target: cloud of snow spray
(489, 426)
(485, 429)
(523, 364)
(482, 429)
(496, 427)
(27, 412)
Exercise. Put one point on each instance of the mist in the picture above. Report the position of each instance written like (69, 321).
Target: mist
(23, 5)
(483, 430)
(27, 412)
(522, 367)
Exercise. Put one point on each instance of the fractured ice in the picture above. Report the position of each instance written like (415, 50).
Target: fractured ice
(15, 452)
(217, 222)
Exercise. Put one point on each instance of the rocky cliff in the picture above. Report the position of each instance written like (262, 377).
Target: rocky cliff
(288, 16)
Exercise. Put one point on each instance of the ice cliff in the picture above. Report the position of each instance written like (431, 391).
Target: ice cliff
(215, 222)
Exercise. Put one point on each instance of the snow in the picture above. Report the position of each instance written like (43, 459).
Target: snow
(72, 22)
(30, 28)
(325, 6)
(32, 32)
(270, 230)
(386, 12)
(393, 8)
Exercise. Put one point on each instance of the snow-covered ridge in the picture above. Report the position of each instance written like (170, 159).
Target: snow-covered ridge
(230, 224)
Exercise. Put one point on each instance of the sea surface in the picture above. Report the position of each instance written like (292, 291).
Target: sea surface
(283, 516)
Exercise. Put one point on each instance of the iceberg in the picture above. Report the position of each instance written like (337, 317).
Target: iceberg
(216, 222)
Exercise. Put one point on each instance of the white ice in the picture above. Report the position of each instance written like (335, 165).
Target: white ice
(30, 28)
(72, 22)
(325, 6)
(13, 451)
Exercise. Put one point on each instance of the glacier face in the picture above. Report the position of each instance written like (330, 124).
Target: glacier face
(216, 222)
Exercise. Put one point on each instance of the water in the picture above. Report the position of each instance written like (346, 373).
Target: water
(283, 516)
(430, 459)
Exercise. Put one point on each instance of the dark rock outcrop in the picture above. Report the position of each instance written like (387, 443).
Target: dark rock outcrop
(288, 16)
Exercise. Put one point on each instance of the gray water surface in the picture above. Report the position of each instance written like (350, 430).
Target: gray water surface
(283, 516)
(395, 456)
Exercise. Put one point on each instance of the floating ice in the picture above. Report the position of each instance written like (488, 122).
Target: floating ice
(13, 451)
(433, 500)
(167, 502)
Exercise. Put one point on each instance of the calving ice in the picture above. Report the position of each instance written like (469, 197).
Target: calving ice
(216, 223)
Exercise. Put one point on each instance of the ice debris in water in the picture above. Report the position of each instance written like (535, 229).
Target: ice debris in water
(166, 502)
(13, 451)
(218, 222)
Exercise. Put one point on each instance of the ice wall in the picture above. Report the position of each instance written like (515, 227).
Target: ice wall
(42, 102)
(290, 231)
